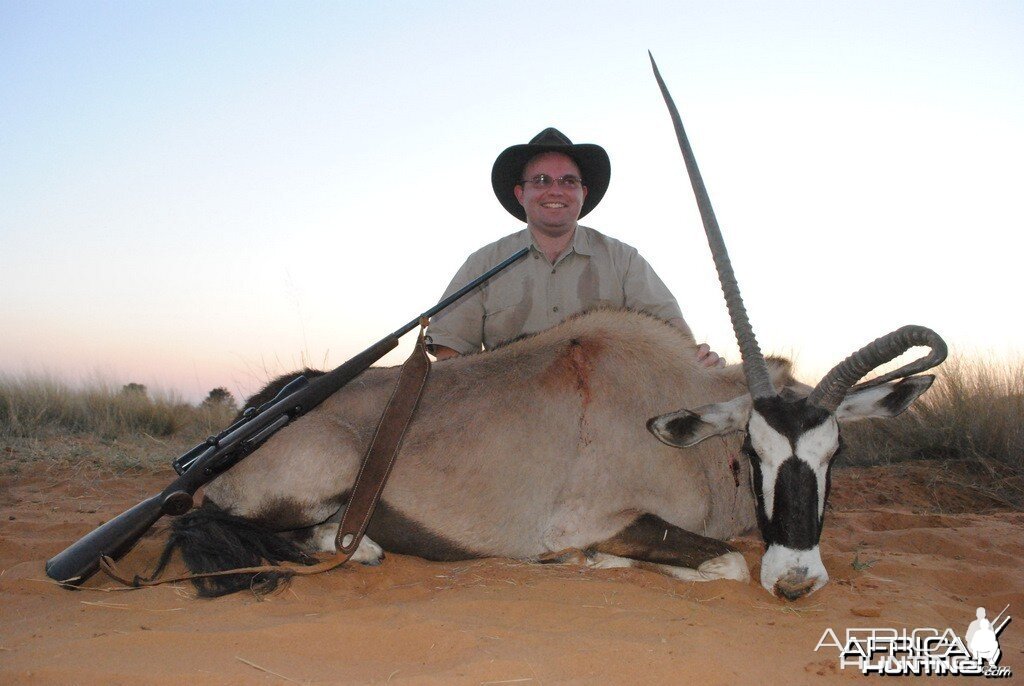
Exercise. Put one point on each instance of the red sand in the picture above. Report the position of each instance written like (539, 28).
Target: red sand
(497, 621)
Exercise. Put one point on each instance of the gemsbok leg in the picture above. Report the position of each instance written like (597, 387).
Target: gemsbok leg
(652, 543)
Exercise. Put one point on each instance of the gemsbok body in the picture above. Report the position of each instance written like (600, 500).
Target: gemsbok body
(584, 442)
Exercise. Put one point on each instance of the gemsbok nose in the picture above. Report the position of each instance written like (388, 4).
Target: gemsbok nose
(795, 585)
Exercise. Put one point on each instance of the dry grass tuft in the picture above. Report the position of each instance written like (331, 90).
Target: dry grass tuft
(99, 427)
(42, 406)
(973, 414)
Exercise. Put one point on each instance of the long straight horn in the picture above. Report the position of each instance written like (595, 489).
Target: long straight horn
(758, 380)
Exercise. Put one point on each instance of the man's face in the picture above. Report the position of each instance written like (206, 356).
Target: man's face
(555, 209)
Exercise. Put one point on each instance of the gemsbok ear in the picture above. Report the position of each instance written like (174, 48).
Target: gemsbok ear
(684, 428)
(887, 400)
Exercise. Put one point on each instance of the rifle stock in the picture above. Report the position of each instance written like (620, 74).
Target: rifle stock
(206, 461)
(115, 538)
(202, 464)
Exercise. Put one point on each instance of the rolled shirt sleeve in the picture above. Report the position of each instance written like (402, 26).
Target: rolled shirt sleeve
(461, 325)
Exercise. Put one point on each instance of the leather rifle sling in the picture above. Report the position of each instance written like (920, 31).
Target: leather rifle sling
(387, 439)
(368, 486)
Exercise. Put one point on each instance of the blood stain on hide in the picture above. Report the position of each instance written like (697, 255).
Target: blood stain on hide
(573, 367)
(734, 467)
(571, 371)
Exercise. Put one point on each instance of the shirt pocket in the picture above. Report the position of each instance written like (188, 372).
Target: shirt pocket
(503, 323)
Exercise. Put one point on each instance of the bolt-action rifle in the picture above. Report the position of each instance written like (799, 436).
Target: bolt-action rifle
(217, 454)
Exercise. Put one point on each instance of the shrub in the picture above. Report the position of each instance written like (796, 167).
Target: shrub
(42, 406)
(974, 412)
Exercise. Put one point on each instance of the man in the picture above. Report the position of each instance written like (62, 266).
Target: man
(550, 183)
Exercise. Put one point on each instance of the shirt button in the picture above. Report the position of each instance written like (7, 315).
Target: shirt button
(536, 256)
(555, 308)
(552, 271)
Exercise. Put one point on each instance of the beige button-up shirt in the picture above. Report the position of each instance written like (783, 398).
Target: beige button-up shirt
(533, 294)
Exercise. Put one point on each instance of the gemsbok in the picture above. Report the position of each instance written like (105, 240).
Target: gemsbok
(569, 445)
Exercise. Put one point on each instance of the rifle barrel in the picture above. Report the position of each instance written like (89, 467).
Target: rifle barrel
(461, 292)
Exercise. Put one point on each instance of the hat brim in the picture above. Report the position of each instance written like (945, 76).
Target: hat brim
(595, 168)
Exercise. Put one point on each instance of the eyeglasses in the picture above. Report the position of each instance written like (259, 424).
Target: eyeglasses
(544, 181)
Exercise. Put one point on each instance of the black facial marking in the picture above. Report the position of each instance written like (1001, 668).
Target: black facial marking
(828, 490)
(791, 419)
(789, 395)
(756, 481)
(795, 522)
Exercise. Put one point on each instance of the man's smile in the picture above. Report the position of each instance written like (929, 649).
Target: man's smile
(554, 208)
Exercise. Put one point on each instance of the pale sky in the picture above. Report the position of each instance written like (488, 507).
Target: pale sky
(200, 194)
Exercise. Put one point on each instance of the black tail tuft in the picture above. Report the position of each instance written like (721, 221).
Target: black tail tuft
(211, 540)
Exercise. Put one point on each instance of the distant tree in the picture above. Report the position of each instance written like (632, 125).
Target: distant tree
(220, 397)
(133, 389)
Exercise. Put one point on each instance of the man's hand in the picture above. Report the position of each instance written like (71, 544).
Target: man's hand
(705, 355)
(443, 352)
(708, 357)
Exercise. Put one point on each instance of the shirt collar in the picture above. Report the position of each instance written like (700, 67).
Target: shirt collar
(582, 243)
